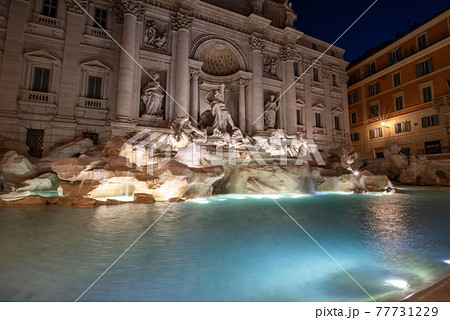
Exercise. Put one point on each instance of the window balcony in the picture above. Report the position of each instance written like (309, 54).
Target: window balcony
(34, 102)
(96, 32)
(84, 102)
(47, 26)
(38, 97)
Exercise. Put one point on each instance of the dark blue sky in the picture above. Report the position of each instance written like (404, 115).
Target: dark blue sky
(327, 20)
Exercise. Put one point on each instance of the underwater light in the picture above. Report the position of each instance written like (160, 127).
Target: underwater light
(401, 284)
(447, 261)
(201, 201)
(356, 173)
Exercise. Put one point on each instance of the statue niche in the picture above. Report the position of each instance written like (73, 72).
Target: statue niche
(152, 97)
(153, 37)
(270, 115)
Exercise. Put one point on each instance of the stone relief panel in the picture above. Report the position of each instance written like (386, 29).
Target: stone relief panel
(270, 65)
(152, 95)
(155, 35)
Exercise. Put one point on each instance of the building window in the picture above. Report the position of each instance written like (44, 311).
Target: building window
(354, 136)
(100, 17)
(422, 42)
(35, 142)
(433, 147)
(372, 69)
(374, 89)
(92, 136)
(353, 97)
(430, 121)
(318, 118)
(299, 117)
(376, 133)
(354, 117)
(334, 80)
(374, 111)
(396, 79)
(337, 123)
(296, 69)
(41, 79)
(403, 127)
(94, 89)
(399, 103)
(351, 79)
(427, 94)
(316, 74)
(49, 8)
(314, 46)
(424, 67)
(395, 56)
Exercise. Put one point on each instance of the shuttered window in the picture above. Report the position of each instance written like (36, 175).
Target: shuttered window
(41, 79)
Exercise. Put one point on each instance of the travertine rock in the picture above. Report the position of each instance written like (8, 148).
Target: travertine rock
(424, 172)
(75, 148)
(46, 181)
(16, 168)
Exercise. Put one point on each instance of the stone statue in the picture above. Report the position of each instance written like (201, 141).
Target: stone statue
(222, 117)
(291, 16)
(270, 65)
(152, 97)
(257, 6)
(150, 33)
(270, 115)
(161, 41)
(223, 126)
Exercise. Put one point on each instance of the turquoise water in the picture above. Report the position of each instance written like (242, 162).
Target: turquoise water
(229, 248)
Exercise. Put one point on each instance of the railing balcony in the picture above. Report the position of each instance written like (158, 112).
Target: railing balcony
(92, 103)
(38, 97)
(47, 21)
(96, 32)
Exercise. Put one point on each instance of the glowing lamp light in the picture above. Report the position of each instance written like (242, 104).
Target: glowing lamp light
(447, 261)
(356, 173)
(383, 123)
(401, 284)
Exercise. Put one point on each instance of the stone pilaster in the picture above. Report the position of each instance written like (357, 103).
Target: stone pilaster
(67, 93)
(242, 107)
(12, 59)
(288, 56)
(257, 47)
(195, 74)
(343, 80)
(181, 24)
(328, 115)
(129, 10)
(309, 115)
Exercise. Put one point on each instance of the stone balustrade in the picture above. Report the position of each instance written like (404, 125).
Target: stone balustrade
(38, 97)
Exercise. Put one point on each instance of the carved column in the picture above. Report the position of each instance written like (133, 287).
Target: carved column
(343, 79)
(195, 74)
(181, 24)
(67, 92)
(257, 47)
(288, 56)
(309, 115)
(12, 60)
(130, 10)
(242, 108)
(328, 116)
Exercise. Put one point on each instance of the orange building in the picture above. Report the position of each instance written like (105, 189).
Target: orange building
(400, 92)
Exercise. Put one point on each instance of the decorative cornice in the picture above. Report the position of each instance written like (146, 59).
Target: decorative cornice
(188, 4)
(326, 73)
(289, 53)
(74, 7)
(257, 44)
(133, 7)
(243, 82)
(194, 72)
(181, 21)
(343, 77)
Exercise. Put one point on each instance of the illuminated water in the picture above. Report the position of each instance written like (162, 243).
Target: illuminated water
(229, 248)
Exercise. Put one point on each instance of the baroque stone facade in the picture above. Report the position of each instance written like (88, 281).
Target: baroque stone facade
(69, 72)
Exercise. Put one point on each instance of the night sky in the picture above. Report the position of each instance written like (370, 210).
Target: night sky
(328, 19)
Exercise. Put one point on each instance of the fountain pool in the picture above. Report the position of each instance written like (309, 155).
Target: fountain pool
(229, 248)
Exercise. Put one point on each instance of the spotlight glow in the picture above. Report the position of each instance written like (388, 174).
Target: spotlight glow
(356, 173)
(447, 261)
(401, 284)
(200, 201)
